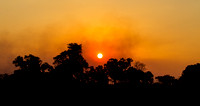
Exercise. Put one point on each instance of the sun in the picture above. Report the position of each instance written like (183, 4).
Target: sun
(100, 55)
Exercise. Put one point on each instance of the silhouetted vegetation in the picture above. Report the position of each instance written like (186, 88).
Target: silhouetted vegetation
(71, 69)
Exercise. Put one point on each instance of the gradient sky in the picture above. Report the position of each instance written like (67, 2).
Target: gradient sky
(163, 34)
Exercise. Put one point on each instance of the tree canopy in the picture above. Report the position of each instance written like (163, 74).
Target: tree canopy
(71, 69)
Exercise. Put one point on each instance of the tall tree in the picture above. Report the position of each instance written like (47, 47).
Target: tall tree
(70, 63)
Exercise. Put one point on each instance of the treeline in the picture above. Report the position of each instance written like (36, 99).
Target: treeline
(71, 69)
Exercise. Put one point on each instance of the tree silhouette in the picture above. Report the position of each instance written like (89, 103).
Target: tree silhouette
(71, 69)
(116, 69)
(29, 68)
(139, 66)
(70, 64)
(167, 81)
(47, 67)
(98, 77)
(135, 77)
(190, 76)
(148, 79)
(125, 75)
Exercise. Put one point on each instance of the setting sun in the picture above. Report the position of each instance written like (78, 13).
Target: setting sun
(101, 43)
(100, 55)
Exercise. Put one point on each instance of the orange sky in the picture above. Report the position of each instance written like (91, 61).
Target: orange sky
(163, 34)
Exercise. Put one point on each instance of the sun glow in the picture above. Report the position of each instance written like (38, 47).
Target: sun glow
(100, 55)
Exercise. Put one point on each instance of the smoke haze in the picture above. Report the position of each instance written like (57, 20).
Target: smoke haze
(162, 34)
